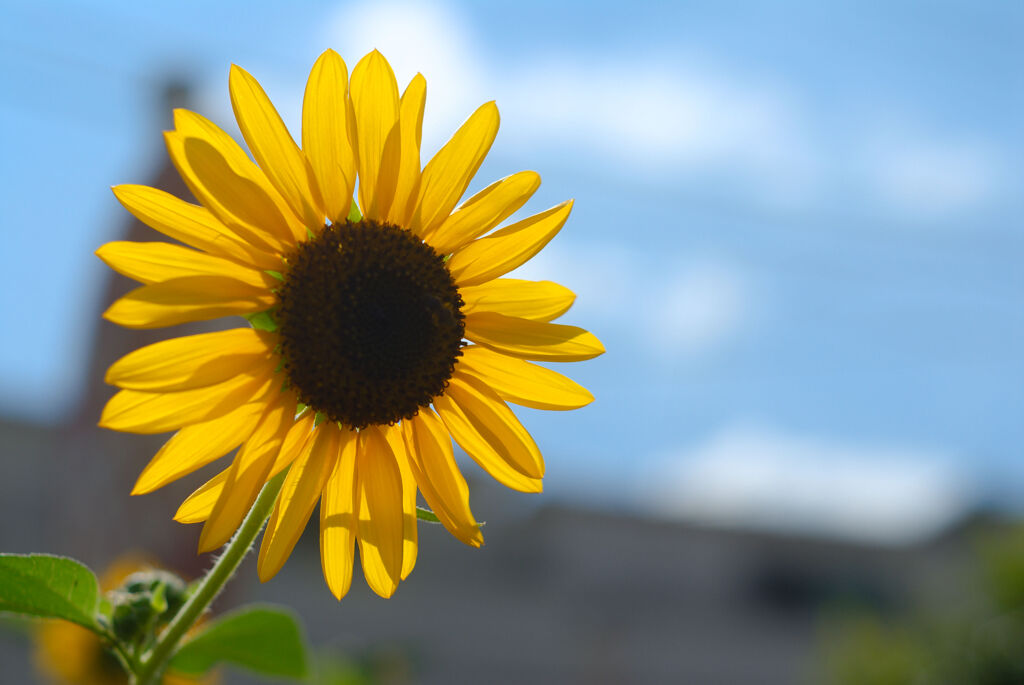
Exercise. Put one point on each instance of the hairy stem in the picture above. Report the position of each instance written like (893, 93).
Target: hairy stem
(153, 663)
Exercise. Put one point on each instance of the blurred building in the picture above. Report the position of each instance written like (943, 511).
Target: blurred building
(558, 595)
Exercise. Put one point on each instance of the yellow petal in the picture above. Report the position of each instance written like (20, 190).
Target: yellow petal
(194, 298)
(484, 211)
(338, 519)
(197, 507)
(447, 175)
(275, 151)
(393, 434)
(191, 125)
(192, 361)
(191, 224)
(387, 179)
(475, 445)
(492, 425)
(507, 248)
(132, 411)
(294, 442)
(380, 514)
(299, 494)
(535, 300)
(438, 476)
(156, 262)
(236, 200)
(411, 132)
(376, 106)
(325, 136)
(248, 473)
(195, 446)
(532, 339)
(519, 381)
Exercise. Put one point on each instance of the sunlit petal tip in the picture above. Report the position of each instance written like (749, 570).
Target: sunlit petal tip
(179, 115)
(507, 248)
(332, 56)
(373, 57)
(450, 171)
(185, 119)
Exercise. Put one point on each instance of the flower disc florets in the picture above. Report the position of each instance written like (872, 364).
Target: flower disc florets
(371, 323)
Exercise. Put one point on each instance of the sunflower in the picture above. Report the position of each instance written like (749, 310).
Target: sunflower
(380, 329)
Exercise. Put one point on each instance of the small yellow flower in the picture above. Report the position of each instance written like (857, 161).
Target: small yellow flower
(357, 372)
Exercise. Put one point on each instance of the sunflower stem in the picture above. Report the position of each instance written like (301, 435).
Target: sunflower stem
(152, 664)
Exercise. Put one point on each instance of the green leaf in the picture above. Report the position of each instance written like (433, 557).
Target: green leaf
(424, 514)
(50, 587)
(354, 214)
(263, 639)
(263, 321)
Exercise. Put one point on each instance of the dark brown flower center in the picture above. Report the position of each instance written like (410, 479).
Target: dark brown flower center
(371, 323)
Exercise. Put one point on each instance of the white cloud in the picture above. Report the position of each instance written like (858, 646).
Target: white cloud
(659, 118)
(669, 117)
(605, 277)
(930, 178)
(682, 311)
(701, 305)
(425, 37)
(754, 477)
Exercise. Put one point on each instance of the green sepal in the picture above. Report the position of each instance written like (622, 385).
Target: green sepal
(424, 514)
(171, 588)
(262, 321)
(318, 419)
(263, 639)
(133, 616)
(353, 213)
(274, 274)
(49, 587)
(158, 600)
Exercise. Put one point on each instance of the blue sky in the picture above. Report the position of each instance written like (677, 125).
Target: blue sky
(797, 230)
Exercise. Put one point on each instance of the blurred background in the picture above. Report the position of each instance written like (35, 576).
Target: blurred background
(797, 231)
